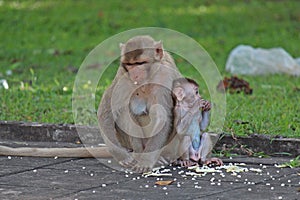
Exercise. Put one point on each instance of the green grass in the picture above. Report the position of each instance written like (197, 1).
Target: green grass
(294, 163)
(43, 42)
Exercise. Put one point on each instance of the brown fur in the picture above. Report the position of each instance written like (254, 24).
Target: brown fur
(136, 132)
(190, 107)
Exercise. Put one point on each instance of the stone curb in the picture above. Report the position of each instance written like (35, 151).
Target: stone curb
(67, 133)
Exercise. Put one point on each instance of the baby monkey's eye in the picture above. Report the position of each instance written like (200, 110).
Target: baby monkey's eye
(197, 92)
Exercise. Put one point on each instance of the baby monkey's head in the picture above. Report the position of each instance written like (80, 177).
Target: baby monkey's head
(186, 90)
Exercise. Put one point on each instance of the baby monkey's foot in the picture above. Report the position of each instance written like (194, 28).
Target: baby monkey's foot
(185, 163)
(212, 162)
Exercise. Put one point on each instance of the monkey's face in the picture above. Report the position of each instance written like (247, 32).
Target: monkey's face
(137, 70)
(138, 56)
(137, 63)
(186, 93)
(192, 93)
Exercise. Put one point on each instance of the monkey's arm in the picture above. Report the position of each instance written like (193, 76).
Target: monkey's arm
(205, 112)
(108, 129)
(159, 130)
(80, 152)
(183, 123)
(205, 120)
(184, 116)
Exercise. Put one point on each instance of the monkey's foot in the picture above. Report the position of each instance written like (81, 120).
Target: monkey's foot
(163, 161)
(185, 163)
(144, 163)
(142, 169)
(128, 162)
(214, 162)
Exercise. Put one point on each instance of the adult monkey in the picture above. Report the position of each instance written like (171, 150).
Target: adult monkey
(135, 114)
(136, 111)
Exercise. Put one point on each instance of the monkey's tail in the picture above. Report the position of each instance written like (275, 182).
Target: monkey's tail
(77, 152)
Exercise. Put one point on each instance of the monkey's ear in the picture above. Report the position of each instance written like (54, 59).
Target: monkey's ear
(121, 45)
(179, 93)
(159, 52)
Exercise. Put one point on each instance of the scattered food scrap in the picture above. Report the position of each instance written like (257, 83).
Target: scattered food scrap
(234, 85)
(193, 174)
(204, 169)
(256, 170)
(235, 169)
(231, 168)
(157, 172)
(163, 183)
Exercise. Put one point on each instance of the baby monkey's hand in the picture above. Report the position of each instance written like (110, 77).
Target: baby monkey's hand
(205, 105)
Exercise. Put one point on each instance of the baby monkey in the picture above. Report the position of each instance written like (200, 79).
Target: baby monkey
(191, 118)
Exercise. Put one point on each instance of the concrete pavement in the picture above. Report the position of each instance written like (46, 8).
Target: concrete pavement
(57, 178)
(90, 178)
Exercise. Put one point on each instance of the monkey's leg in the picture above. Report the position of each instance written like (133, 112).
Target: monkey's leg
(205, 150)
(108, 130)
(157, 134)
(137, 144)
(100, 152)
(205, 147)
(184, 153)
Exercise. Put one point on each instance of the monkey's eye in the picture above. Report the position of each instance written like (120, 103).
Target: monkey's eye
(135, 63)
(141, 63)
(197, 92)
(128, 66)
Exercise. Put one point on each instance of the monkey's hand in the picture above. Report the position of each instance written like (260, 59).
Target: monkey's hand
(205, 105)
(128, 162)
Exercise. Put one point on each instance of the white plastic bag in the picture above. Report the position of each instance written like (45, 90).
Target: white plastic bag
(257, 61)
(4, 84)
(298, 61)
